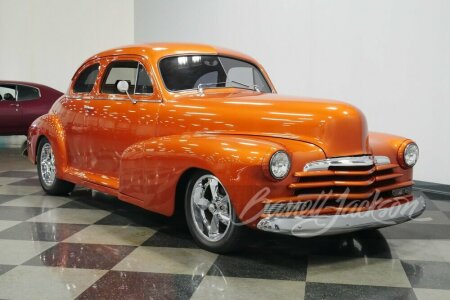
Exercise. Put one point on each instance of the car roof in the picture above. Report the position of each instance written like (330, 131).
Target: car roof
(33, 84)
(159, 50)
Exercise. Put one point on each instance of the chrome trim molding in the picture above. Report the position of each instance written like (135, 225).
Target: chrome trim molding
(115, 99)
(350, 161)
(307, 226)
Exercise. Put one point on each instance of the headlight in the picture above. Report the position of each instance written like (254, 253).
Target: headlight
(279, 165)
(411, 154)
(408, 154)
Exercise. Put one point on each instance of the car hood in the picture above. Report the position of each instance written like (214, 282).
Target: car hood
(340, 129)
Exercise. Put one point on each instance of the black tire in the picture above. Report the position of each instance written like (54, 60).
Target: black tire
(58, 187)
(232, 240)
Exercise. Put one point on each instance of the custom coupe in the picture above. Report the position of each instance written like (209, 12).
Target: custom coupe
(21, 103)
(200, 131)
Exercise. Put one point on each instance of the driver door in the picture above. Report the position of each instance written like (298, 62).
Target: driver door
(115, 122)
(10, 111)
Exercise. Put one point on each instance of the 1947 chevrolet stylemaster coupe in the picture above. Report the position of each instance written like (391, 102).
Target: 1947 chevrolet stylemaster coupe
(201, 131)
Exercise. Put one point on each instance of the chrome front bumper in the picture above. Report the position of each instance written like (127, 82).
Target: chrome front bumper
(307, 226)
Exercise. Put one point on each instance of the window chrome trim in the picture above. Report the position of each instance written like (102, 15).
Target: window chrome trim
(30, 86)
(16, 91)
(349, 161)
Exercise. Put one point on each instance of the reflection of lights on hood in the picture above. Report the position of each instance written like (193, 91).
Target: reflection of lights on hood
(282, 120)
(199, 113)
(248, 103)
(290, 114)
(189, 106)
(196, 59)
(247, 143)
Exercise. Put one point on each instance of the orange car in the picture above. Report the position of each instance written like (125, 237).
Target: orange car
(201, 131)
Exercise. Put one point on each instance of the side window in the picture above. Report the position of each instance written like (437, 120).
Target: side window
(27, 93)
(117, 71)
(7, 92)
(86, 79)
(144, 83)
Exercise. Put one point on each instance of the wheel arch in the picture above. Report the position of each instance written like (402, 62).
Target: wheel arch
(180, 190)
(49, 127)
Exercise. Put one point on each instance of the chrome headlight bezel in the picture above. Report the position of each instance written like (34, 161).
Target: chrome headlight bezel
(408, 154)
(411, 154)
(274, 162)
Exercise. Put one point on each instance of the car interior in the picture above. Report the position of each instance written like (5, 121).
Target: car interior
(7, 92)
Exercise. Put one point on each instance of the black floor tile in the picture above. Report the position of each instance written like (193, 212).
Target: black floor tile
(40, 193)
(86, 199)
(81, 205)
(171, 237)
(5, 268)
(133, 217)
(367, 243)
(447, 213)
(433, 186)
(416, 231)
(437, 196)
(16, 213)
(18, 174)
(262, 264)
(140, 285)
(428, 274)
(85, 256)
(51, 232)
(27, 182)
(6, 198)
(326, 291)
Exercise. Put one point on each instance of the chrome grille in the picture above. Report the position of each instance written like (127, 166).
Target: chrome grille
(337, 180)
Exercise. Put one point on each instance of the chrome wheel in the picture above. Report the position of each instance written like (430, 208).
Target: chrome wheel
(210, 208)
(47, 164)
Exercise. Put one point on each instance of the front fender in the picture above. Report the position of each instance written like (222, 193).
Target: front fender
(49, 126)
(150, 170)
(389, 145)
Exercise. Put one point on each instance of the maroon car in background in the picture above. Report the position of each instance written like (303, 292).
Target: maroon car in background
(21, 103)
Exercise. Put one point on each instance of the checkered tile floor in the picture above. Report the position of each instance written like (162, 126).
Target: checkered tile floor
(90, 246)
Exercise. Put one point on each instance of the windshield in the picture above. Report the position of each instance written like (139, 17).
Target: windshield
(210, 71)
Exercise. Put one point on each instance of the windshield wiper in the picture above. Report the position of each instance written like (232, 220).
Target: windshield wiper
(201, 86)
(253, 86)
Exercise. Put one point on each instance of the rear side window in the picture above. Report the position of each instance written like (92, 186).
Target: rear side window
(27, 93)
(132, 72)
(86, 79)
(7, 92)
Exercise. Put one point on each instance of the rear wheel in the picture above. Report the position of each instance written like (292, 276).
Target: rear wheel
(47, 171)
(210, 216)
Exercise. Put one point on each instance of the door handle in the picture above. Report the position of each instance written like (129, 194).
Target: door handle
(14, 104)
(87, 107)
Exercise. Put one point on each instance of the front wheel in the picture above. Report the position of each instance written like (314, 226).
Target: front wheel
(47, 171)
(210, 216)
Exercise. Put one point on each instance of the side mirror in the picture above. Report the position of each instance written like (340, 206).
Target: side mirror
(123, 87)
